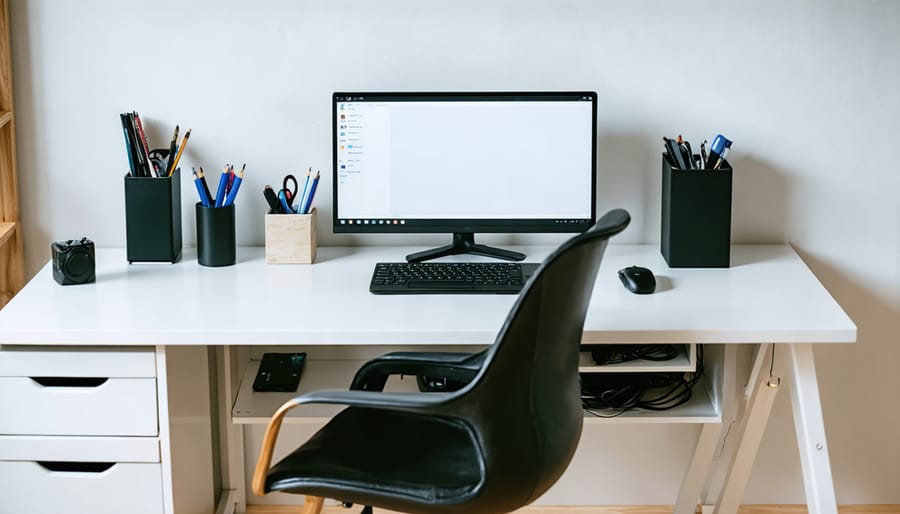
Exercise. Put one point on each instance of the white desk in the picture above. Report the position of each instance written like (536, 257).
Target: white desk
(767, 296)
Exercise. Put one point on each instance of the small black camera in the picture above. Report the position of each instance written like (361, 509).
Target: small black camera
(73, 261)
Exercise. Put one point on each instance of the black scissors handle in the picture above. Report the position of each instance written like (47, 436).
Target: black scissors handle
(290, 194)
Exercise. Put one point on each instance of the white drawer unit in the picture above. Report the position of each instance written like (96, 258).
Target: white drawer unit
(78, 391)
(79, 431)
(90, 475)
(78, 406)
(52, 487)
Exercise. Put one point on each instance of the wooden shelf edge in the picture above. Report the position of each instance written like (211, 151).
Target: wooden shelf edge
(7, 229)
(5, 117)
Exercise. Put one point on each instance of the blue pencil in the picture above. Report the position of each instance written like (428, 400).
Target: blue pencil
(312, 194)
(220, 193)
(204, 200)
(301, 199)
(235, 186)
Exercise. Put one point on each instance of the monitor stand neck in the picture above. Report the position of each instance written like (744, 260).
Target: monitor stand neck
(464, 242)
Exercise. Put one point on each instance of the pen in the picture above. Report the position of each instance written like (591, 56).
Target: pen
(204, 199)
(220, 192)
(172, 151)
(180, 151)
(675, 152)
(703, 159)
(685, 148)
(718, 150)
(310, 196)
(272, 199)
(235, 186)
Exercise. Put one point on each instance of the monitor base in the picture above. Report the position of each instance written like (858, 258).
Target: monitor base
(464, 242)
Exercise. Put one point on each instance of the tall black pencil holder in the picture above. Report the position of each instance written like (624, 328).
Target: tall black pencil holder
(153, 218)
(696, 216)
(216, 244)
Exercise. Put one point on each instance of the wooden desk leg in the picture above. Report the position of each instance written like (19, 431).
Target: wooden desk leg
(753, 425)
(810, 428)
(698, 469)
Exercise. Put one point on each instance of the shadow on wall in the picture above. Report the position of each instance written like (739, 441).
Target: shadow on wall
(36, 238)
(628, 177)
(858, 382)
(759, 204)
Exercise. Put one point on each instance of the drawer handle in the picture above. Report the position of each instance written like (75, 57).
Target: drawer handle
(76, 467)
(70, 381)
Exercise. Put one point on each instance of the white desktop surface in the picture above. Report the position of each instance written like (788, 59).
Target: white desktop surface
(767, 295)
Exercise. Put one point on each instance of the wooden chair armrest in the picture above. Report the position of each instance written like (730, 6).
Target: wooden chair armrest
(268, 446)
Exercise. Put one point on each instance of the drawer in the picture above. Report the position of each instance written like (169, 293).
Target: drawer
(59, 361)
(74, 448)
(52, 487)
(78, 406)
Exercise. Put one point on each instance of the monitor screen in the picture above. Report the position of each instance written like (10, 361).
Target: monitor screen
(464, 162)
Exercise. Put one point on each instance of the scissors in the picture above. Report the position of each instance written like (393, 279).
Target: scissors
(288, 195)
(158, 160)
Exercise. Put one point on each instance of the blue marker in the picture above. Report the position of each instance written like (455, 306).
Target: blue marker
(718, 150)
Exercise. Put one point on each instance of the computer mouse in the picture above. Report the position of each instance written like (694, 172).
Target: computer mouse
(638, 280)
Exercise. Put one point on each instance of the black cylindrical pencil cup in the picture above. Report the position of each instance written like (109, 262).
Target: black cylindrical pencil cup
(216, 244)
(153, 218)
(696, 216)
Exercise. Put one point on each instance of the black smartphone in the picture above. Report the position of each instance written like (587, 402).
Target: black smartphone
(279, 372)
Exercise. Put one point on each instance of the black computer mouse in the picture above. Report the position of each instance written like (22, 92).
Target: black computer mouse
(638, 280)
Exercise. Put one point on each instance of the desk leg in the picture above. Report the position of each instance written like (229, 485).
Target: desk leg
(810, 428)
(698, 469)
(753, 426)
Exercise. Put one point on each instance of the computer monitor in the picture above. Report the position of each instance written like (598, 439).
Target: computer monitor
(464, 163)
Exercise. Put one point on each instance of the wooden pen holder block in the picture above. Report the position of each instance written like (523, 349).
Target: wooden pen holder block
(291, 238)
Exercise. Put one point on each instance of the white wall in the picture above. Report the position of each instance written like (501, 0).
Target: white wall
(809, 90)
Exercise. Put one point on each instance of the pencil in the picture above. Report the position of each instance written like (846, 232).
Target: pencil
(171, 158)
(229, 200)
(205, 185)
(180, 151)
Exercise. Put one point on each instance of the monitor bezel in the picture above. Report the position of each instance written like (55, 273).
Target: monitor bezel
(420, 226)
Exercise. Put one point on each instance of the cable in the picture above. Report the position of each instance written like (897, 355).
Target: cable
(609, 395)
(618, 353)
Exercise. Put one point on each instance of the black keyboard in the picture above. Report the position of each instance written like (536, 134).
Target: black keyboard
(450, 277)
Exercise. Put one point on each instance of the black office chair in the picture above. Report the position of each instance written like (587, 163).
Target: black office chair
(492, 446)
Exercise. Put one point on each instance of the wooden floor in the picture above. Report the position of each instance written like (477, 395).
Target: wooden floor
(644, 509)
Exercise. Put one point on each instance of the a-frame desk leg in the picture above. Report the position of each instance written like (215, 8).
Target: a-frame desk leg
(809, 427)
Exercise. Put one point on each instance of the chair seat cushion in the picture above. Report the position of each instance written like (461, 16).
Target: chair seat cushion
(363, 455)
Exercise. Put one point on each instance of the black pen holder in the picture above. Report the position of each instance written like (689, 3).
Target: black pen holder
(696, 216)
(216, 244)
(153, 218)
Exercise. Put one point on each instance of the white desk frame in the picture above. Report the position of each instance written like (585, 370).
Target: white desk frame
(767, 298)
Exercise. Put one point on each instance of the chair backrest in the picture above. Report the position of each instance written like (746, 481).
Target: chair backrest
(524, 404)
